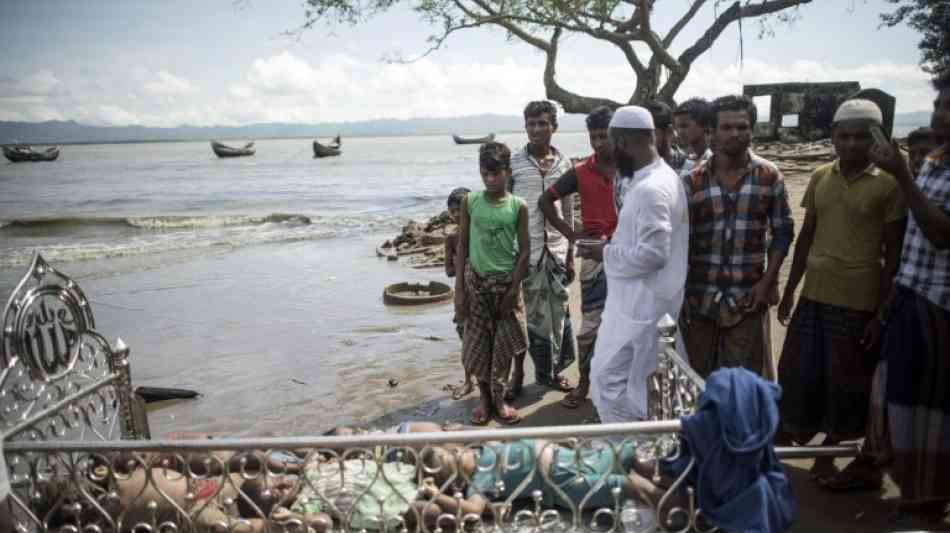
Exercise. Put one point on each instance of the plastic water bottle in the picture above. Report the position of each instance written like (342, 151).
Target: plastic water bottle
(637, 518)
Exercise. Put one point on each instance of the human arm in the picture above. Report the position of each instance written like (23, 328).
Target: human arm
(521, 263)
(893, 241)
(461, 251)
(782, 230)
(933, 221)
(565, 186)
(451, 244)
(653, 243)
(472, 505)
(799, 262)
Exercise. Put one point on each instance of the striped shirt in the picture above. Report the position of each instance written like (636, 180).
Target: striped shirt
(924, 269)
(528, 183)
(729, 237)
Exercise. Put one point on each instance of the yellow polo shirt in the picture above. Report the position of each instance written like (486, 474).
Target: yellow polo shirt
(845, 260)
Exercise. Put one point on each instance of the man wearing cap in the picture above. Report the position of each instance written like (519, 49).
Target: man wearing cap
(739, 217)
(848, 252)
(645, 265)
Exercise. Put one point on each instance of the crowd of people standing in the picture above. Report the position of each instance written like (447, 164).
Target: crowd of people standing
(679, 217)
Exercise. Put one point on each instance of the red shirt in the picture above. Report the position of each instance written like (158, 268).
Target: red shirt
(598, 214)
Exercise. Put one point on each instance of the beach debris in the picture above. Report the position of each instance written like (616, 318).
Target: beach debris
(299, 382)
(421, 244)
(392, 383)
(408, 293)
(434, 338)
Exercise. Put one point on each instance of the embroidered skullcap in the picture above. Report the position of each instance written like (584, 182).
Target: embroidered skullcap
(859, 109)
(632, 117)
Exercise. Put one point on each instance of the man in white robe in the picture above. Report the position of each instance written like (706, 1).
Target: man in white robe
(645, 264)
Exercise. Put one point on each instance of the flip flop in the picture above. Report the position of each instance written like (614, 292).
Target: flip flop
(571, 402)
(855, 477)
(560, 384)
(512, 418)
(478, 418)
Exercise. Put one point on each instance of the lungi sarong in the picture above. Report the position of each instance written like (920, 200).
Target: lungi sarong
(917, 348)
(711, 345)
(593, 296)
(825, 372)
(490, 341)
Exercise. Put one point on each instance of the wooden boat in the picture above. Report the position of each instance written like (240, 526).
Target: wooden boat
(223, 150)
(417, 293)
(473, 140)
(19, 154)
(327, 150)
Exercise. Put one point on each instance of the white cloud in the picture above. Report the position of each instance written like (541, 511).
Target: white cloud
(285, 87)
(168, 84)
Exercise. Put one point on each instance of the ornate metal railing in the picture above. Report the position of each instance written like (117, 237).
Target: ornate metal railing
(67, 402)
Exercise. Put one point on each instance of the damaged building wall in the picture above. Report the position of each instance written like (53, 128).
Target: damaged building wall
(814, 104)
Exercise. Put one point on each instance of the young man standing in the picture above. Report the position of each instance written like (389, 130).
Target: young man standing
(534, 169)
(666, 136)
(645, 265)
(592, 179)
(691, 120)
(917, 341)
(854, 220)
(739, 214)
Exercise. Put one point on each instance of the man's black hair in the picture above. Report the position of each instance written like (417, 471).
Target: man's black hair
(733, 102)
(942, 81)
(923, 134)
(661, 112)
(697, 109)
(494, 156)
(599, 118)
(537, 107)
(455, 197)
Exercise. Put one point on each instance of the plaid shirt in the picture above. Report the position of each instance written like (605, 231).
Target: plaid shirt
(728, 241)
(925, 269)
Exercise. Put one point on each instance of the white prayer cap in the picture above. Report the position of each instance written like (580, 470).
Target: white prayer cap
(632, 117)
(859, 109)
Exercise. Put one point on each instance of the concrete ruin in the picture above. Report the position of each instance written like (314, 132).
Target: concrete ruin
(804, 111)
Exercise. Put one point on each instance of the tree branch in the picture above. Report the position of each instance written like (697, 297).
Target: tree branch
(571, 102)
(734, 13)
(682, 22)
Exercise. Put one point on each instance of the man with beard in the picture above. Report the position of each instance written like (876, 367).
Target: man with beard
(645, 265)
(848, 251)
(534, 169)
(917, 340)
(738, 214)
(592, 179)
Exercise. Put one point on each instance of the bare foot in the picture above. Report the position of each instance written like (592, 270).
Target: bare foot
(462, 391)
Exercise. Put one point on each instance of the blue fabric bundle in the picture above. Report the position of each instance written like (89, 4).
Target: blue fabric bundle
(740, 484)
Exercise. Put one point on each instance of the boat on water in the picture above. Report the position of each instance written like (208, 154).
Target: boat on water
(327, 150)
(20, 153)
(473, 140)
(223, 150)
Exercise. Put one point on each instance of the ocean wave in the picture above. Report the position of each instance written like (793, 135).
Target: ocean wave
(156, 222)
(158, 243)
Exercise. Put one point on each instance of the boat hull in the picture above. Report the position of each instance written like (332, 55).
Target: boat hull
(223, 150)
(29, 155)
(322, 150)
(473, 140)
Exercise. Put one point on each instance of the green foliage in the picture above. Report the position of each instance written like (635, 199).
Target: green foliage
(932, 19)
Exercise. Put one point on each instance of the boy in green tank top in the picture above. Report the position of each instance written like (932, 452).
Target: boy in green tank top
(494, 247)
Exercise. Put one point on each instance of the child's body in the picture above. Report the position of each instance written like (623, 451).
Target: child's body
(494, 249)
(454, 205)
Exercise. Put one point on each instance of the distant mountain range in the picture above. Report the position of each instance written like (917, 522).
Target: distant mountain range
(71, 132)
(66, 132)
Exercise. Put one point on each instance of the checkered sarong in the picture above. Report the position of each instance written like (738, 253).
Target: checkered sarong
(490, 341)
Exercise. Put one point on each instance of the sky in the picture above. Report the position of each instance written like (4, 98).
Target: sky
(224, 62)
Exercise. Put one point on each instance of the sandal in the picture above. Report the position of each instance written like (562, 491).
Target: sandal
(462, 390)
(823, 469)
(857, 476)
(478, 418)
(514, 388)
(508, 415)
(559, 383)
(570, 401)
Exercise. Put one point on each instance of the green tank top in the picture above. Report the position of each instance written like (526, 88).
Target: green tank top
(493, 234)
